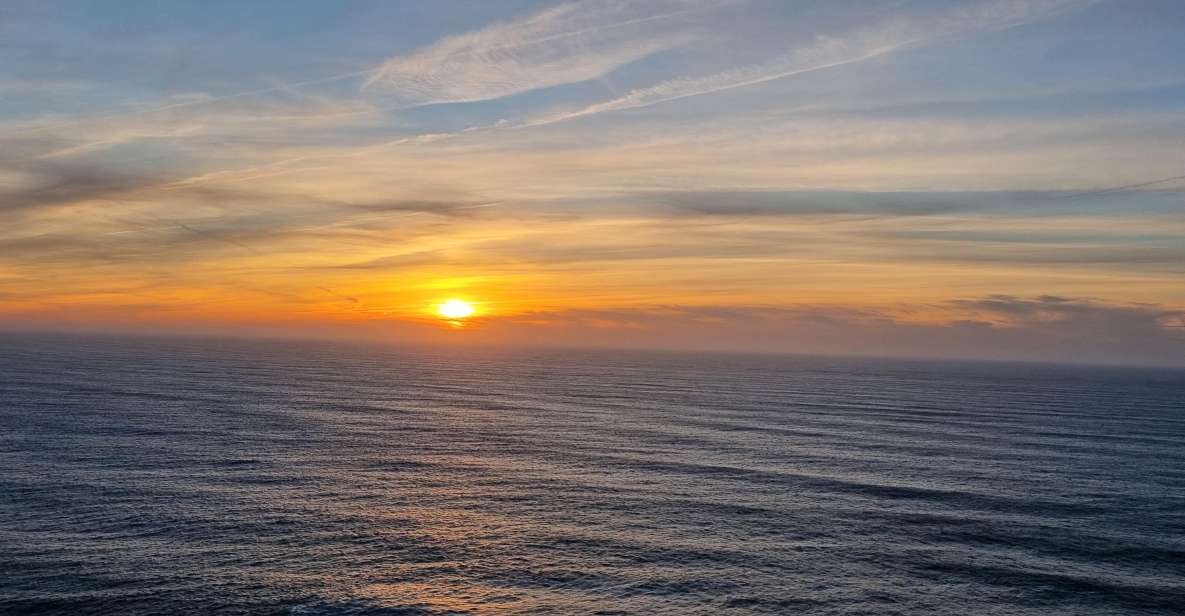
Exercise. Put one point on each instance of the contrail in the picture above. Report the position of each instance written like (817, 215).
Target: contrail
(218, 238)
(1112, 189)
(204, 101)
(339, 295)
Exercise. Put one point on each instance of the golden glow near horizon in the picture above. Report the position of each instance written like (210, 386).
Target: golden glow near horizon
(455, 309)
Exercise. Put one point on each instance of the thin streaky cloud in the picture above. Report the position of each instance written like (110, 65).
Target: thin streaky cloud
(208, 100)
(567, 44)
(831, 52)
(824, 53)
(377, 73)
(828, 52)
(348, 298)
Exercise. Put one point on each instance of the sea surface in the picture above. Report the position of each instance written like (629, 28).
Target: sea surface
(175, 476)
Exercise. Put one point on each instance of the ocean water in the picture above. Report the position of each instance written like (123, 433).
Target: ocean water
(220, 477)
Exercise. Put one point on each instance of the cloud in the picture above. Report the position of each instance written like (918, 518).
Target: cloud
(832, 51)
(1070, 314)
(274, 121)
(50, 184)
(565, 44)
(999, 327)
(791, 203)
(181, 104)
(45, 184)
(391, 262)
(348, 298)
(80, 215)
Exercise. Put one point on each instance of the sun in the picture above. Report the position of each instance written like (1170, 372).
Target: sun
(454, 309)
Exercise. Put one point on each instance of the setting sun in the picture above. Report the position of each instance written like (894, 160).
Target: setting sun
(455, 309)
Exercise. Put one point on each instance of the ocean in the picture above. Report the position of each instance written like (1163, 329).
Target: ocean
(183, 476)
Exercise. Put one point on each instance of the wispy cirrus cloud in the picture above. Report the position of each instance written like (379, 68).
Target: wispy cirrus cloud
(826, 52)
(565, 44)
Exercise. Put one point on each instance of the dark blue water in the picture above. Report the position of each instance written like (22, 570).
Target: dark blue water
(217, 477)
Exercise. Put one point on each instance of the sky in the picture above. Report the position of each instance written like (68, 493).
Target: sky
(997, 179)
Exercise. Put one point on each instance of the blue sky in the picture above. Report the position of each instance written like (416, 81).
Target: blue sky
(171, 163)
